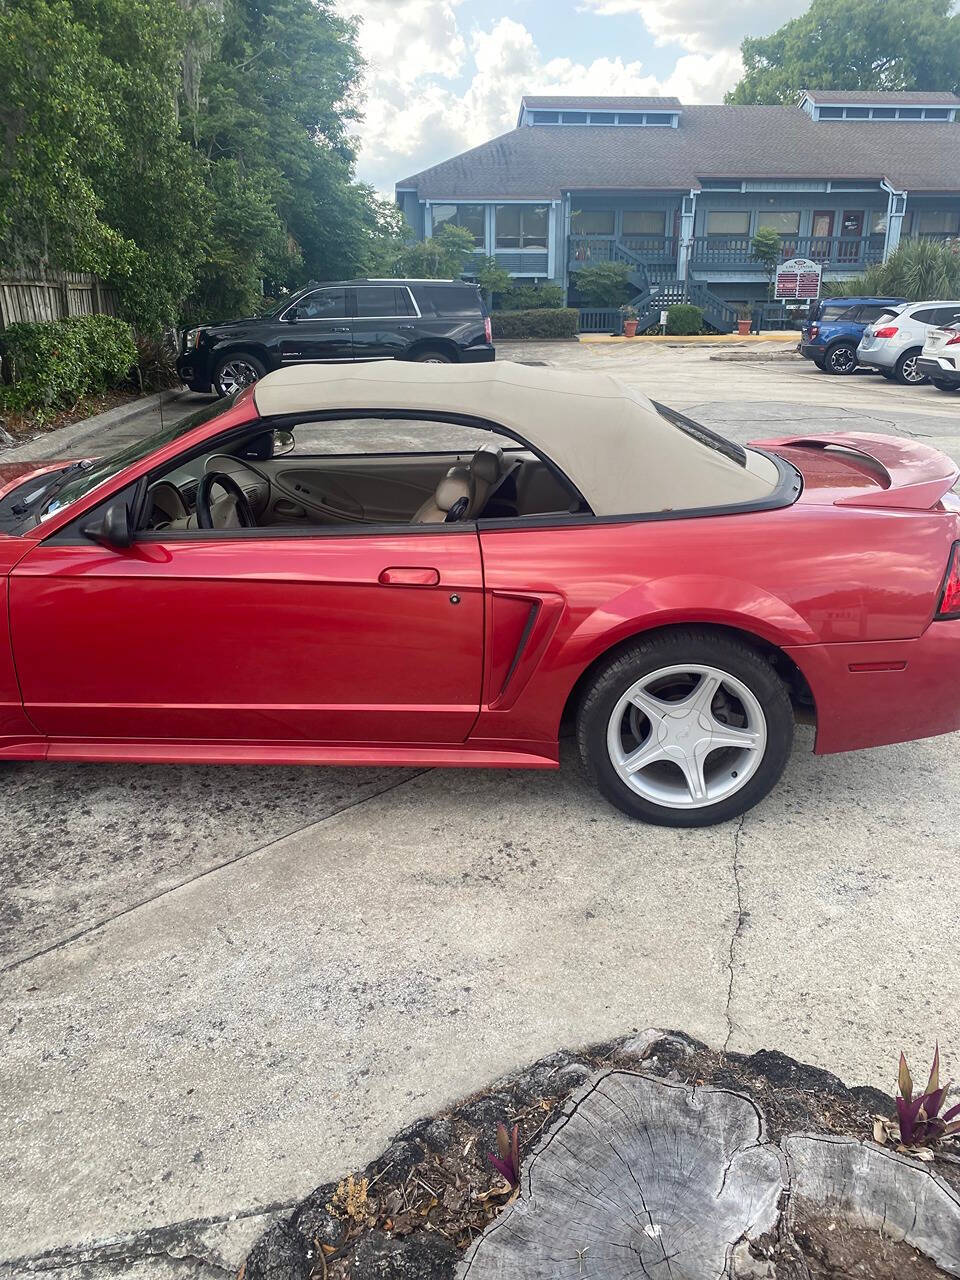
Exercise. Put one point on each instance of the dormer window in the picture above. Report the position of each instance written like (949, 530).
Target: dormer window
(837, 105)
(554, 110)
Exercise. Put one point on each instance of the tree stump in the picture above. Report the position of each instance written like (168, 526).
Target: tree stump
(643, 1178)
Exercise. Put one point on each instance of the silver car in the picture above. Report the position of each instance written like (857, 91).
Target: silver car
(894, 342)
(941, 358)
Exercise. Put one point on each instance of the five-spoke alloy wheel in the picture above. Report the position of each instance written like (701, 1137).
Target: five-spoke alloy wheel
(686, 728)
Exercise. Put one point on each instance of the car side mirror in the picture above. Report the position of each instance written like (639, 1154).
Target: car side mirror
(283, 442)
(114, 529)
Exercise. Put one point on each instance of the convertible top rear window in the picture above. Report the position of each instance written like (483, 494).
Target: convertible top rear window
(735, 452)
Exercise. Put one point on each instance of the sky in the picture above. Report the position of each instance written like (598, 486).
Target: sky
(445, 75)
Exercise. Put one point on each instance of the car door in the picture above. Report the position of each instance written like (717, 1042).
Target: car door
(317, 328)
(257, 635)
(384, 323)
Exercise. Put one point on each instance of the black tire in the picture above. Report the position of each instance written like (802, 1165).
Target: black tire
(906, 372)
(674, 648)
(433, 355)
(819, 364)
(229, 376)
(840, 359)
(945, 386)
(888, 374)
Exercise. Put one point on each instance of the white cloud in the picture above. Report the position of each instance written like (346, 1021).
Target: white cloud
(431, 92)
(702, 26)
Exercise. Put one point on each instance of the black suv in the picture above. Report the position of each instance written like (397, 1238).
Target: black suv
(438, 321)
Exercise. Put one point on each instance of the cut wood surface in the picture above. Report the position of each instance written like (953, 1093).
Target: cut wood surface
(643, 1178)
(878, 1190)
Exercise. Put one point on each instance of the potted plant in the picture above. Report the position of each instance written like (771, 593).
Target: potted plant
(630, 318)
(744, 316)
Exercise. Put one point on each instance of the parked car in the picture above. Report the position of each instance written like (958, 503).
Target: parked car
(940, 358)
(269, 582)
(894, 343)
(834, 328)
(430, 321)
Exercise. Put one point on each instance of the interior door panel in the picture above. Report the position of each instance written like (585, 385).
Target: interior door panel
(353, 488)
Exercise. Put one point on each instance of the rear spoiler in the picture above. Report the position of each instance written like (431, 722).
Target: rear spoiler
(917, 476)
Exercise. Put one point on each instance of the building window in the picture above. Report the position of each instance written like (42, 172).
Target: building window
(659, 117)
(884, 113)
(546, 117)
(602, 117)
(936, 222)
(936, 113)
(785, 224)
(522, 226)
(831, 113)
(911, 113)
(593, 222)
(878, 222)
(727, 223)
(857, 113)
(469, 216)
(630, 117)
(574, 117)
(644, 222)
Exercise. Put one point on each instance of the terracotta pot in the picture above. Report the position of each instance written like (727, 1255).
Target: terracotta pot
(743, 327)
(629, 328)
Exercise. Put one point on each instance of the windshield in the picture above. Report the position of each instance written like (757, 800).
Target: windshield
(77, 484)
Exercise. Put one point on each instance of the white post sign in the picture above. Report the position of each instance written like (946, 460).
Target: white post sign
(798, 279)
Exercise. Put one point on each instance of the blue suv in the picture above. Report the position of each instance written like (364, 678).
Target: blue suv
(834, 329)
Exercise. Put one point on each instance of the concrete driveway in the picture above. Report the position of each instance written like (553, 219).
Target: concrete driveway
(221, 987)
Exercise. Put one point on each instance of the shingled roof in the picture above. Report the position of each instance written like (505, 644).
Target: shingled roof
(855, 97)
(711, 142)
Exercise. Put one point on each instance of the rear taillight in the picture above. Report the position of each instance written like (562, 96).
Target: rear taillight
(949, 606)
(487, 329)
(888, 331)
(954, 341)
(814, 330)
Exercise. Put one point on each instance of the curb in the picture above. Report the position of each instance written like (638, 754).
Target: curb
(77, 433)
(697, 340)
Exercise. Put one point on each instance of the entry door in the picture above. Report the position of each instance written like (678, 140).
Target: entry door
(851, 229)
(821, 229)
(353, 638)
(318, 328)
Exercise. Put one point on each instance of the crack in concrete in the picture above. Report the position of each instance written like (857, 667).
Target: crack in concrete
(208, 871)
(737, 931)
(177, 1241)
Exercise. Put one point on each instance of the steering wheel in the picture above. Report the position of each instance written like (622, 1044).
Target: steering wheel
(241, 502)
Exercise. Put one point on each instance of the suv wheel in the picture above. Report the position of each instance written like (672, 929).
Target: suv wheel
(433, 357)
(685, 729)
(841, 359)
(906, 370)
(237, 371)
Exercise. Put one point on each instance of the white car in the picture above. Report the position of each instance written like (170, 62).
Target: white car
(940, 360)
(894, 342)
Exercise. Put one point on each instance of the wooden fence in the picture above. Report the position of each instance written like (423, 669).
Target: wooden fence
(41, 294)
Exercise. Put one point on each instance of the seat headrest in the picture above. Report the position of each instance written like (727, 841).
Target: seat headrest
(487, 463)
(454, 486)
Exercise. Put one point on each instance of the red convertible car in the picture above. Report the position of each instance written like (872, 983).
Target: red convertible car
(441, 565)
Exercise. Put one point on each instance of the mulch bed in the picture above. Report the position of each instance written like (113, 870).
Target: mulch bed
(416, 1208)
(25, 426)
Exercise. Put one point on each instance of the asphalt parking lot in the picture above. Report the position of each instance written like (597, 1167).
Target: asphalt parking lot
(221, 987)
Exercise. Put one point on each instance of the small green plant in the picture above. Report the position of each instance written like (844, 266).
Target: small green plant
(440, 257)
(919, 1127)
(683, 318)
(765, 248)
(629, 312)
(605, 284)
(507, 1160)
(917, 270)
(491, 278)
(530, 297)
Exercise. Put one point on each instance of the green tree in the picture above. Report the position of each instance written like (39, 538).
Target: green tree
(605, 284)
(765, 248)
(492, 279)
(917, 270)
(854, 44)
(443, 256)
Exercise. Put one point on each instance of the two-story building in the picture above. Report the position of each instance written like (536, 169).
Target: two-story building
(678, 192)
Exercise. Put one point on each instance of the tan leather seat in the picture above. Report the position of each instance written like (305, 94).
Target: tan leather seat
(454, 486)
(473, 482)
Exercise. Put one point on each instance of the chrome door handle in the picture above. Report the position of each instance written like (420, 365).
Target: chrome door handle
(340, 328)
(407, 328)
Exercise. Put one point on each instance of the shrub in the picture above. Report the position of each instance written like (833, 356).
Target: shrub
(684, 318)
(156, 367)
(51, 364)
(542, 323)
(604, 284)
(917, 270)
(530, 297)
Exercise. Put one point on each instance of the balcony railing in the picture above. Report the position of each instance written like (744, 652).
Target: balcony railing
(648, 249)
(832, 251)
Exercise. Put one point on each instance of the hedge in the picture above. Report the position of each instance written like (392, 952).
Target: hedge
(51, 364)
(684, 318)
(530, 297)
(542, 323)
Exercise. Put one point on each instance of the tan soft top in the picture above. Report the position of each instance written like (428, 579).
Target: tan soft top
(608, 438)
